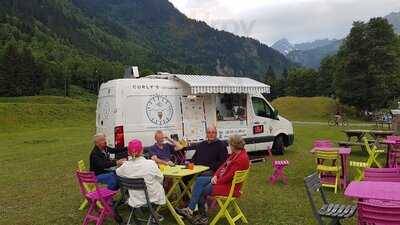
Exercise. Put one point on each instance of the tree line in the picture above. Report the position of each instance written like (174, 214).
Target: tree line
(365, 72)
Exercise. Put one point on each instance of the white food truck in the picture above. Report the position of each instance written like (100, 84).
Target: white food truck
(184, 105)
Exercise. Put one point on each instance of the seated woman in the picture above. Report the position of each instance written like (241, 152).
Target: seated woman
(219, 184)
(139, 167)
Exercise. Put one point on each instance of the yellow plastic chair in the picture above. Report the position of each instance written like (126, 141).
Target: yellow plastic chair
(328, 164)
(88, 187)
(373, 152)
(225, 202)
(360, 167)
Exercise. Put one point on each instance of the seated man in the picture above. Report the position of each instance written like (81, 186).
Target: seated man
(162, 151)
(139, 167)
(100, 161)
(211, 152)
(218, 184)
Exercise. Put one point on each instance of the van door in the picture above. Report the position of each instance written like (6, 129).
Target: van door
(105, 113)
(262, 123)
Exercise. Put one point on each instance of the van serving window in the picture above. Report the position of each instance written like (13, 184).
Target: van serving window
(231, 107)
(261, 108)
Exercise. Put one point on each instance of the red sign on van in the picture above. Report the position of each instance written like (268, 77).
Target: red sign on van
(258, 129)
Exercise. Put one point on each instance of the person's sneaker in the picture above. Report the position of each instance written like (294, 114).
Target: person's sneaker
(201, 220)
(185, 212)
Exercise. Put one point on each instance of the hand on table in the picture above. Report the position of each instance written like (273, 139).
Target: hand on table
(170, 163)
(120, 161)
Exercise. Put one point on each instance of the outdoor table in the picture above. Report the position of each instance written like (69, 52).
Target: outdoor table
(177, 173)
(359, 134)
(344, 158)
(389, 191)
(375, 134)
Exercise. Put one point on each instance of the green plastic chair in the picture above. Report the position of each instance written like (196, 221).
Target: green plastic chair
(225, 202)
(328, 164)
(373, 152)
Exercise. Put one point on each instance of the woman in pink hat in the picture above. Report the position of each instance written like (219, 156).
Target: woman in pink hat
(139, 167)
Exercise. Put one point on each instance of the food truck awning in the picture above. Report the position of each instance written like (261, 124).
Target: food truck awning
(200, 84)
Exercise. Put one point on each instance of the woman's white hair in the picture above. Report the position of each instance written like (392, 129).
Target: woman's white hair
(97, 136)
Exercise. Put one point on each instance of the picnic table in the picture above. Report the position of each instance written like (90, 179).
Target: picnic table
(375, 134)
(344, 158)
(177, 173)
(389, 191)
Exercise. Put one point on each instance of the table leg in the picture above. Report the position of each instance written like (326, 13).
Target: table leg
(345, 169)
(171, 190)
(186, 188)
(389, 149)
(174, 214)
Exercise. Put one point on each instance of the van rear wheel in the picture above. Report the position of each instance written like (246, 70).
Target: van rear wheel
(279, 145)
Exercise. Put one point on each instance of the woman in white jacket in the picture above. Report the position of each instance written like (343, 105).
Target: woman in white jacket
(139, 167)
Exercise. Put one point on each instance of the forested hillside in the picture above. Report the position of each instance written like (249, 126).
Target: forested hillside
(86, 42)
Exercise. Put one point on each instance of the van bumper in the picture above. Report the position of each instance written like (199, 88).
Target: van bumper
(290, 139)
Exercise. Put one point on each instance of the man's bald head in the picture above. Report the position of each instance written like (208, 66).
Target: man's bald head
(211, 133)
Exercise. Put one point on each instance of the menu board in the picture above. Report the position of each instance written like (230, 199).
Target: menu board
(194, 123)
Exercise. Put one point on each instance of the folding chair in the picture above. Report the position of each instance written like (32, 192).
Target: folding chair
(382, 174)
(378, 212)
(88, 187)
(373, 152)
(278, 166)
(138, 184)
(225, 202)
(328, 166)
(103, 195)
(332, 211)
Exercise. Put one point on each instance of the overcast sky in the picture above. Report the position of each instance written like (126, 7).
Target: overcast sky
(296, 20)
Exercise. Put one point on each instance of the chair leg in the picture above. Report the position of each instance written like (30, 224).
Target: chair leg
(89, 213)
(220, 212)
(130, 217)
(239, 212)
(83, 205)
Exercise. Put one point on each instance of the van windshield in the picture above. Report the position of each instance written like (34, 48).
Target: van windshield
(231, 107)
(261, 108)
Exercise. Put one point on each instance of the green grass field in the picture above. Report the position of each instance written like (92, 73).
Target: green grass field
(38, 161)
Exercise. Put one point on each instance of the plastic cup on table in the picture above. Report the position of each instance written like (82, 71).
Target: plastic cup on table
(191, 166)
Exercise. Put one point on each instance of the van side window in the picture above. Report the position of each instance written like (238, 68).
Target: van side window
(261, 108)
(231, 107)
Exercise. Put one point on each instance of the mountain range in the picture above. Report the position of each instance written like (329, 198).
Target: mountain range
(310, 54)
(152, 34)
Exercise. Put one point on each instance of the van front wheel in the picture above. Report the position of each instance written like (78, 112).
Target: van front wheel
(279, 145)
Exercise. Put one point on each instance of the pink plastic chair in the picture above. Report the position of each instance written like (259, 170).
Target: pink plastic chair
(382, 174)
(394, 155)
(278, 166)
(323, 144)
(102, 195)
(378, 213)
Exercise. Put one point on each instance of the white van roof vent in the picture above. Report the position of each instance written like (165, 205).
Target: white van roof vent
(132, 72)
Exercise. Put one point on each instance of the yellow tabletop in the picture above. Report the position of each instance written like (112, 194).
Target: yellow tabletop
(181, 171)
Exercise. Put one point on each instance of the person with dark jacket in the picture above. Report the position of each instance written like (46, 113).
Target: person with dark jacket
(100, 161)
(211, 152)
(219, 183)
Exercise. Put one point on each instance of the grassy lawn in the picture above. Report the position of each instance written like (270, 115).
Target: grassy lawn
(38, 184)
